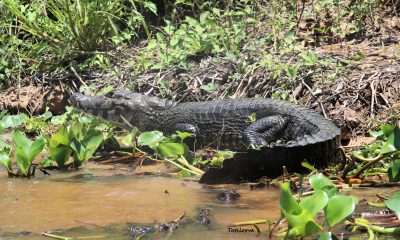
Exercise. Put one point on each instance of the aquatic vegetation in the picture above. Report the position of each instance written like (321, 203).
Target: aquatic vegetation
(25, 152)
(11, 121)
(30, 123)
(85, 146)
(393, 203)
(300, 215)
(172, 149)
(73, 140)
(5, 151)
(79, 137)
(300, 212)
(385, 150)
(216, 160)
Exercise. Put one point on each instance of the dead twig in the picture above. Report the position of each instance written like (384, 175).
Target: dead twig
(120, 159)
(348, 168)
(316, 98)
(77, 76)
(378, 184)
(344, 157)
(373, 97)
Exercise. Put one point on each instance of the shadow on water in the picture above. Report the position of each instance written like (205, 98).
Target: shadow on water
(96, 201)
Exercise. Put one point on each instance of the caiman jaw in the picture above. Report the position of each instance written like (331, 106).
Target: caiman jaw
(88, 103)
(98, 106)
(114, 110)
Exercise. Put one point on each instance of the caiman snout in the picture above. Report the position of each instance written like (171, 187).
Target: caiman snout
(74, 99)
(81, 101)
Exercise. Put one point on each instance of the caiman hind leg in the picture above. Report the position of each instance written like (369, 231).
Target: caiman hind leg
(264, 130)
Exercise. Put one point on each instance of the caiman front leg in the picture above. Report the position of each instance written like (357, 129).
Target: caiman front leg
(264, 130)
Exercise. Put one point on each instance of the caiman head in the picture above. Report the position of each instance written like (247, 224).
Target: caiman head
(123, 108)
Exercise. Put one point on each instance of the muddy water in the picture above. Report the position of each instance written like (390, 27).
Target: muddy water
(104, 202)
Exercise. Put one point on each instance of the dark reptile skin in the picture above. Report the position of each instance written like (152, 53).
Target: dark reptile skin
(220, 124)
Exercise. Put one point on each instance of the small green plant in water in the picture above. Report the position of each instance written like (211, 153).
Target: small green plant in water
(300, 215)
(217, 160)
(76, 141)
(386, 148)
(25, 152)
(172, 149)
(5, 151)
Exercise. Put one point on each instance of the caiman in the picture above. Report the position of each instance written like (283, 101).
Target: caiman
(285, 133)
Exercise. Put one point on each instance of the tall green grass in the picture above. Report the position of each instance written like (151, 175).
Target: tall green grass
(85, 25)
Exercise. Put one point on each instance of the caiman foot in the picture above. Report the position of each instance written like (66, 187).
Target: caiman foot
(265, 130)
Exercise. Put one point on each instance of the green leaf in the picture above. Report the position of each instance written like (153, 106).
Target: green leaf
(60, 154)
(172, 149)
(308, 166)
(129, 140)
(210, 87)
(387, 129)
(79, 152)
(75, 131)
(85, 119)
(105, 90)
(300, 220)
(13, 121)
(5, 147)
(26, 151)
(252, 117)
(320, 182)
(3, 113)
(314, 203)
(338, 208)
(60, 138)
(92, 142)
(5, 161)
(310, 58)
(150, 138)
(394, 170)
(21, 141)
(393, 203)
(58, 120)
(184, 135)
(388, 148)
(375, 134)
(393, 141)
(47, 162)
(327, 236)
(22, 161)
(301, 224)
(36, 147)
(151, 6)
(287, 202)
(45, 116)
(394, 137)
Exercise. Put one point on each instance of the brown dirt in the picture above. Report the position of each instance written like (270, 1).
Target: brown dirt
(33, 99)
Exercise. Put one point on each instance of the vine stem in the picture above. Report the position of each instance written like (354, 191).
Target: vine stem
(394, 230)
(368, 165)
